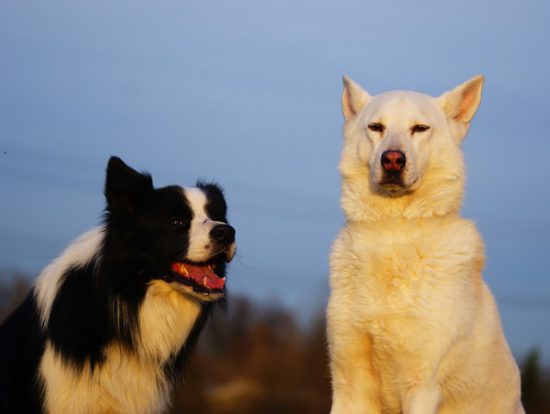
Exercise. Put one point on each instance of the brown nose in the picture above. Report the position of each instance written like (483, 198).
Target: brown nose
(393, 160)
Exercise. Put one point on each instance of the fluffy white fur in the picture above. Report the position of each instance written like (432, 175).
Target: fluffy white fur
(412, 326)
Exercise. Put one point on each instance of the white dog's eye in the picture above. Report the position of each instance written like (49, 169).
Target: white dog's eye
(376, 127)
(419, 128)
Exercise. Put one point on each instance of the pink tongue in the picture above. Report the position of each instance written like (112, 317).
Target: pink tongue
(203, 275)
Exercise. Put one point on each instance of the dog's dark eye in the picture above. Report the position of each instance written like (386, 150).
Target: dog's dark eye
(376, 127)
(419, 128)
(177, 221)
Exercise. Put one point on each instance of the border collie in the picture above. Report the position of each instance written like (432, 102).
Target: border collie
(108, 324)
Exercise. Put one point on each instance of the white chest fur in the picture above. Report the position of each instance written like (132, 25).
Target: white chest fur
(402, 282)
(127, 382)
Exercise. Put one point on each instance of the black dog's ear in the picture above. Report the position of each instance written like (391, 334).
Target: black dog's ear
(125, 188)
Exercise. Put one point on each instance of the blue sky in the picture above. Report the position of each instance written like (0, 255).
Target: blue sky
(247, 93)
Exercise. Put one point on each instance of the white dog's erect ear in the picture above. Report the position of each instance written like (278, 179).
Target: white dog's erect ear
(354, 98)
(462, 102)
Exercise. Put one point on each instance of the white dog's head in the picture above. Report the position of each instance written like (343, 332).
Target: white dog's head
(402, 155)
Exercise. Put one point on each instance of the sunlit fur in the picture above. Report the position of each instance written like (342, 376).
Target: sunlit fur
(412, 326)
(108, 325)
(129, 382)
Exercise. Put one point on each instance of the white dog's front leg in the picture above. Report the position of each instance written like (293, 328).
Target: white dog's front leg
(355, 389)
(358, 396)
(422, 399)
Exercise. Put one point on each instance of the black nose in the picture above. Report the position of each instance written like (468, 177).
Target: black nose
(393, 160)
(223, 233)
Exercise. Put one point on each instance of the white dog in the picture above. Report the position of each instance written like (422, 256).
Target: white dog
(412, 326)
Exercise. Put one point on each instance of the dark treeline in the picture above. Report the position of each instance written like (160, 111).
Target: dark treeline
(253, 359)
(258, 359)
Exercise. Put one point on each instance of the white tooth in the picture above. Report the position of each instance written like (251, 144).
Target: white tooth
(205, 293)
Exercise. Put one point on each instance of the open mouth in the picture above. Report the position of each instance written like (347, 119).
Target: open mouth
(201, 277)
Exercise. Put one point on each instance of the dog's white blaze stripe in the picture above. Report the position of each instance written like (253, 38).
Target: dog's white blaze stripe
(197, 200)
(80, 252)
(199, 233)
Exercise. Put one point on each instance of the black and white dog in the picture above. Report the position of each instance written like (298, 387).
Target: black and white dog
(108, 324)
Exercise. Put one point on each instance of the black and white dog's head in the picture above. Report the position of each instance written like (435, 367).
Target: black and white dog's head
(176, 234)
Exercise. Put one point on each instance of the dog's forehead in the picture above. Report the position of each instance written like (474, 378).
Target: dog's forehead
(197, 200)
(403, 106)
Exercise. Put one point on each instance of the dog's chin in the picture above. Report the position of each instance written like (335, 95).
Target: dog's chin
(396, 187)
(198, 295)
